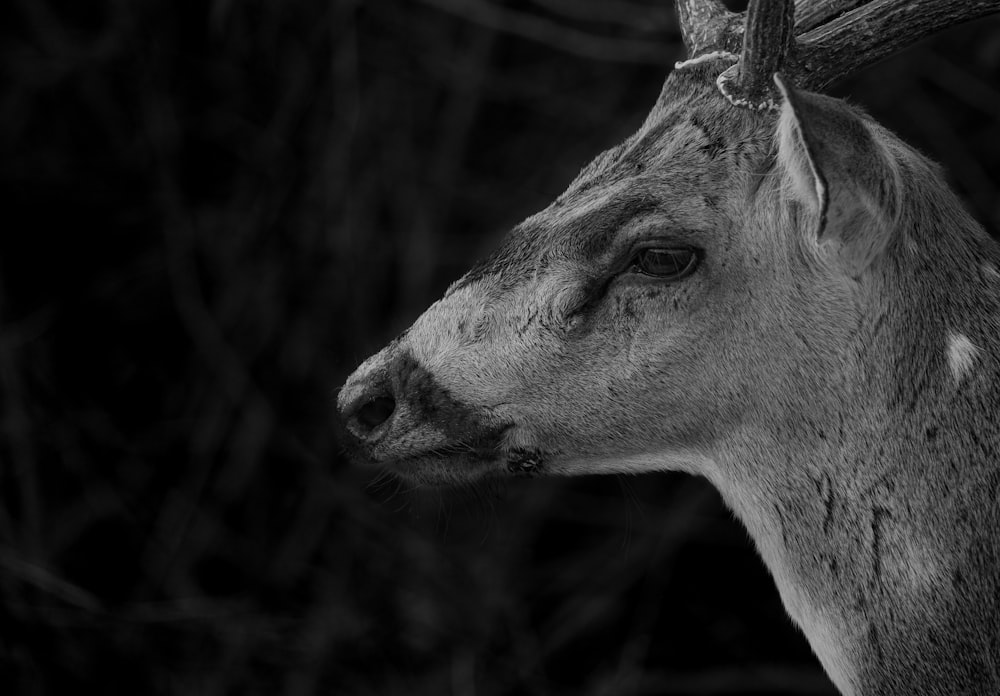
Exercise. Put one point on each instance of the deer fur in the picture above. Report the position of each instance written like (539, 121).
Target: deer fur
(831, 367)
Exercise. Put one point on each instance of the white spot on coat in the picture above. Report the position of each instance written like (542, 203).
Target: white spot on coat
(962, 355)
(991, 272)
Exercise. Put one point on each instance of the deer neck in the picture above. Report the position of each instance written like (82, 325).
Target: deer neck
(798, 509)
(866, 505)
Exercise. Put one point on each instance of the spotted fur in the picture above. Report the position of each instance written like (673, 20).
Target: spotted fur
(809, 368)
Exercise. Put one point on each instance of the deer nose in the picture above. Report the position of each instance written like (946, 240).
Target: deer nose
(369, 400)
(369, 411)
(373, 413)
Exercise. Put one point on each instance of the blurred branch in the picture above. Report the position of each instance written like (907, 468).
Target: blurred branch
(66, 46)
(674, 525)
(556, 36)
(962, 164)
(20, 436)
(640, 17)
(770, 679)
(967, 87)
(47, 581)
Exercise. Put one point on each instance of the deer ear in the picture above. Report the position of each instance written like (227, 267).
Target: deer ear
(836, 169)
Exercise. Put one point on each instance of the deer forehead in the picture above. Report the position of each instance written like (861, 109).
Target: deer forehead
(689, 147)
(590, 225)
(676, 168)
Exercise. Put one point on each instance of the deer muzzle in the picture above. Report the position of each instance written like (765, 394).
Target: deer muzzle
(396, 413)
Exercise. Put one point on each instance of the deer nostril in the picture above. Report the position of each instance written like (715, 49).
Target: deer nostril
(375, 412)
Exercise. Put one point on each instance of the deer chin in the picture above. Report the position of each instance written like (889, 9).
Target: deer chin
(454, 466)
(442, 469)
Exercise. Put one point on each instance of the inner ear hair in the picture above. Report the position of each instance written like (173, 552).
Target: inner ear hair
(797, 159)
(839, 168)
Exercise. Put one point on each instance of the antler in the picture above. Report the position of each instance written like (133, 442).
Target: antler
(868, 34)
(809, 15)
(836, 38)
(766, 42)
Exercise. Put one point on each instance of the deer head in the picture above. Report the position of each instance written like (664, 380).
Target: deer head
(745, 289)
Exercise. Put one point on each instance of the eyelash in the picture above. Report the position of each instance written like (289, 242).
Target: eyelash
(665, 263)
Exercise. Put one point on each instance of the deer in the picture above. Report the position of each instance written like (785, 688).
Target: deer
(766, 288)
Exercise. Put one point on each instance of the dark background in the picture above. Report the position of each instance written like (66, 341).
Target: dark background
(212, 211)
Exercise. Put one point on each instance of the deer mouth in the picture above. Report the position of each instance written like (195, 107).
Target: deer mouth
(435, 454)
(522, 462)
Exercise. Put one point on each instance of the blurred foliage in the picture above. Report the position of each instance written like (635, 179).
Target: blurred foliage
(214, 211)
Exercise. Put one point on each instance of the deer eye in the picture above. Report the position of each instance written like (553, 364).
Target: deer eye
(669, 264)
